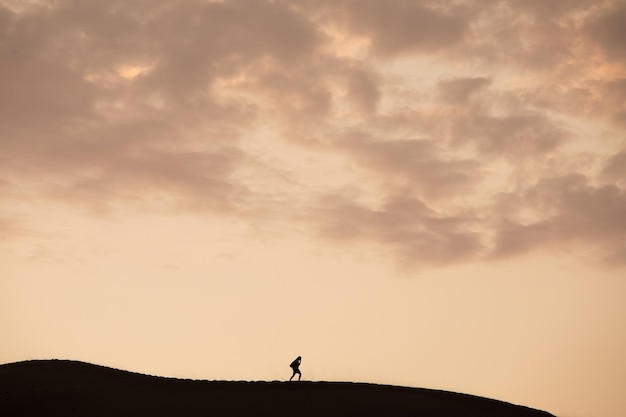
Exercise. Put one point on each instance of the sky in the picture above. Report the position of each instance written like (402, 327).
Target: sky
(421, 193)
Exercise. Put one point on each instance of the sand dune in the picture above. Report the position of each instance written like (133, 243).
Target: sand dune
(70, 388)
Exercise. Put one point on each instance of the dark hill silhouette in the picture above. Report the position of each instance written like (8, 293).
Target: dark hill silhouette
(70, 388)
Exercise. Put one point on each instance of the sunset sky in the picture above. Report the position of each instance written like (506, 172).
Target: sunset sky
(423, 193)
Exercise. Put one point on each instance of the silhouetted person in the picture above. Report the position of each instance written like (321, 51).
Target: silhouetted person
(295, 365)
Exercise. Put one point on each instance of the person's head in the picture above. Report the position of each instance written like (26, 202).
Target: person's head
(299, 358)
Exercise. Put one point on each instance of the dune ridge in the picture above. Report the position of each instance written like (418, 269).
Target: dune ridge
(72, 388)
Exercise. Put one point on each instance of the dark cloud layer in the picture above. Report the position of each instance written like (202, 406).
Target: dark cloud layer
(402, 26)
(133, 102)
(550, 9)
(417, 234)
(514, 135)
(608, 29)
(460, 90)
(571, 210)
(416, 163)
(68, 112)
(615, 168)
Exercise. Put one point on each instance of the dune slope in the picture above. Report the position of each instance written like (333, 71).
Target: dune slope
(70, 388)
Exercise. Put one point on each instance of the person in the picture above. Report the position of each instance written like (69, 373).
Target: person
(295, 366)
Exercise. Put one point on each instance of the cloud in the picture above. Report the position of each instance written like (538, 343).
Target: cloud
(611, 101)
(176, 179)
(567, 210)
(550, 9)
(209, 39)
(401, 27)
(363, 90)
(608, 29)
(296, 97)
(615, 168)
(415, 163)
(515, 135)
(413, 232)
(537, 36)
(460, 90)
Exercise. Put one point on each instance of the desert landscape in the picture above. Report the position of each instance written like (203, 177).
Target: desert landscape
(71, 388)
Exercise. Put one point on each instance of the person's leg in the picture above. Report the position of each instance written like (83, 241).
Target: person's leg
(299, 375)
(292, 375)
